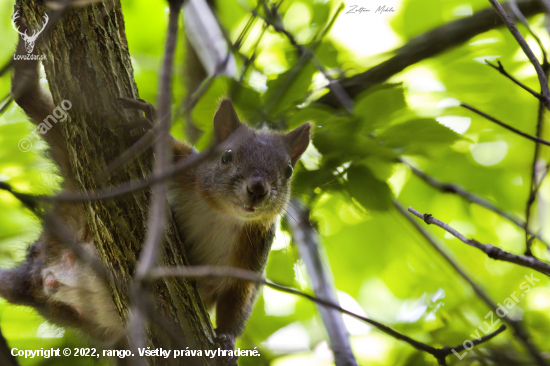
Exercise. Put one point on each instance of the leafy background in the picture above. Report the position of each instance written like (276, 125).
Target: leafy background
(381, 266)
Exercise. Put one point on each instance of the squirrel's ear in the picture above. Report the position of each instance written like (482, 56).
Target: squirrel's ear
(297, 141)
(226, 120)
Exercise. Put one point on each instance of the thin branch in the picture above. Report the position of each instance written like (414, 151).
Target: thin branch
(508, 127)
(501, 69)
(189, 104)
(427, 45)
(6, 105)
(243, 274)
(162, 149)
(520, 332)
(483, 339)
(472, 197)
(30, 201)
(7, 66)
(274, 19)
(136, 184)
(543, 80)
(534, 186)
(542, 73)
(305, 238)
(489, 249)
(158, 204)
(518, 14)
(248, 62)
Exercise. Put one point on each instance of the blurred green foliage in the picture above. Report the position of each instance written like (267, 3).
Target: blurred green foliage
(381, 266)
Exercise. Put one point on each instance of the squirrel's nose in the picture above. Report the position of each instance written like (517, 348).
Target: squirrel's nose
(257, 188)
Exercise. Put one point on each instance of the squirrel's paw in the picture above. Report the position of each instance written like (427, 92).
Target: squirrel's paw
(141, 105)
(227, 342)
(135, 129)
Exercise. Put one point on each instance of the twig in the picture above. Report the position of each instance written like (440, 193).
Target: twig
(472, 197)
(162, 148)
(489, 249)
(29, 200)
(136, 184)
(521, 333)
(518, 14)
(243, 274)
(508, 127)
(537, 139)
(158, 206)
(543, 80)
(323, 287)
(534, 186)
(112, 192)
(542, 73)
(189, 103)
(341, 95)
(6, 105)
(249, 61)
(501, 69)
(477, 341)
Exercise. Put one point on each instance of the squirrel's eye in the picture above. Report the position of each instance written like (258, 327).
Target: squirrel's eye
(288, 171)
(227, 156)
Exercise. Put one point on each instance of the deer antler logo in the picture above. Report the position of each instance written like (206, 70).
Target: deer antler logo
(29, 40)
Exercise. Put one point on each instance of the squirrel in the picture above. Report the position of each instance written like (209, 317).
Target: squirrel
(225, 210)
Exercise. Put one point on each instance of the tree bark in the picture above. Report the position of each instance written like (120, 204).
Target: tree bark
(88, 63)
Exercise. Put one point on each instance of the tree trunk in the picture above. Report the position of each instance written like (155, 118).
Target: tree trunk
(88, 63)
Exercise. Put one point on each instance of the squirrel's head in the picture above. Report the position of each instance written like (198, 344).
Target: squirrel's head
(251, 178)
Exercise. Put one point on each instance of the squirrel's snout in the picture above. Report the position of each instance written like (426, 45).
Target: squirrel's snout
(257, 189)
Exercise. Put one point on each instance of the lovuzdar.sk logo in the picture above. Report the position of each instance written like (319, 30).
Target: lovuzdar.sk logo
(30, 40)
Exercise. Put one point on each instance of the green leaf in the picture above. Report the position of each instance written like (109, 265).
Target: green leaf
(288, 89)
(233, 13)
(247, 101)
(376, 106)
(418, 16)
(328, 54)
(369, 191)
(203, 113)
(418, 137)
(317, 114)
